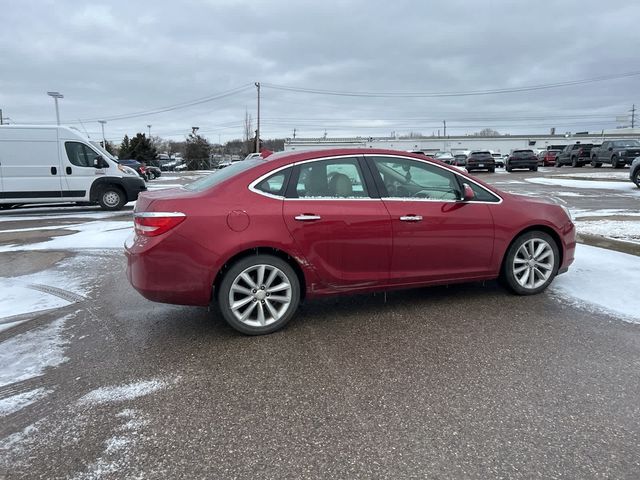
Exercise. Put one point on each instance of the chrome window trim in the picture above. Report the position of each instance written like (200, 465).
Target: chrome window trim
(459, 174)
(252, 185)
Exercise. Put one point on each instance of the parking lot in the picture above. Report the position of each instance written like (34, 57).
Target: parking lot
(464, 381)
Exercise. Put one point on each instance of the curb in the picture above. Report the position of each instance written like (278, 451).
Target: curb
(609, 243)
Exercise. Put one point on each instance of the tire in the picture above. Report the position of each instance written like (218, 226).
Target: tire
(508, 168)
(615, 163)
(636, 177)
(492, 170)
(558, 164)
(517, 271)
(112, 198)
(152, 176)
(534, 169)
(574, 163)
(595, 163)
(242, 283)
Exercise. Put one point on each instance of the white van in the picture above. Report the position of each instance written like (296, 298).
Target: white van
(53, 164)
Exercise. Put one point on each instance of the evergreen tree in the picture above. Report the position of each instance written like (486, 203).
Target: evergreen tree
(197, 152)
(125, 148)
(142, 149)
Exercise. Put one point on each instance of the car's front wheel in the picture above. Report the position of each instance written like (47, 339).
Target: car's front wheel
(259, 294)
(531, 263)
(636, 177)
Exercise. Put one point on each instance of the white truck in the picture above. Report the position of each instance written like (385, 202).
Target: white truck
(54, 164)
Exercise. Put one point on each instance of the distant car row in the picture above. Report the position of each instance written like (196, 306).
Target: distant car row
(487, 160)
(616, 153)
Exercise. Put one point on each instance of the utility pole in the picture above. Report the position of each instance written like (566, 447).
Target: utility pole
(56, 96)
(258, 127)
(444, 122)
(104, 141)
(149, 127)
(294, 130)
(3, 124)
(633, 115)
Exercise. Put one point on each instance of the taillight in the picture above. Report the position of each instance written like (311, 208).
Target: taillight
(152, 224)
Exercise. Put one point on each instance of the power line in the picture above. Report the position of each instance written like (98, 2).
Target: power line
(177, 106)
(450, 94)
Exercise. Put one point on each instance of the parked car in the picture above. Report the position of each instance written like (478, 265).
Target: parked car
(522, 159)
(498, 159)
(459, 160)
(480, 160)
(153, 172)
(549, 158)
(577, 154)
(445, 157)
(260, 235)
(55, 164)
(136, 165)
(616, 152)
(634, 172)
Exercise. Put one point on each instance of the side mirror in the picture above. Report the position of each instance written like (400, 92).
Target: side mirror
(467, 193)
(610, 149)
(99, 162)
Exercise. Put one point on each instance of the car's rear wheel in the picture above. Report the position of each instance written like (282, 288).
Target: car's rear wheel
(534, 169)
(112, 198)
(558, 164)
(595, 163)
(615, 163)
(531, 263)
(259, 294)
(636, 177)
(492, 170)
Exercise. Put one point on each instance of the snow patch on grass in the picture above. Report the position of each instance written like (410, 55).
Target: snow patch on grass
(594, 268)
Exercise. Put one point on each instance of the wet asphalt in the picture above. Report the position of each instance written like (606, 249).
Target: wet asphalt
(464, 381)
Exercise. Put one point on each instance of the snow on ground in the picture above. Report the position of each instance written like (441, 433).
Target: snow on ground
(90, 235)
(122, 392)
(25, 294)
(51, 213)
(605, 212)
(601, 175)
(628, 231)
(588, 282)
(627, 187)
(16, 298)
(17, 402)
(163, 186)
(27, 355)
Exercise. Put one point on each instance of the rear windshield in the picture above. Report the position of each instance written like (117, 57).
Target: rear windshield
(626, 143)
(523, 153)
(219, 176)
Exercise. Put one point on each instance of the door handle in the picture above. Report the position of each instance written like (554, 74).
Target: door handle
(306, 217)
(411, 218)
(69, 170)
(54, 171)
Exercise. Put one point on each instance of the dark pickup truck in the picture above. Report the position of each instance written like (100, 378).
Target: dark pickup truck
(576, 155)
(616, 152)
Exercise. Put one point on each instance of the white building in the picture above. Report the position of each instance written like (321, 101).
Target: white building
(499, 144)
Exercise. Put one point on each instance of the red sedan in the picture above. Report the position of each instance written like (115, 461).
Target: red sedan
(260, 235)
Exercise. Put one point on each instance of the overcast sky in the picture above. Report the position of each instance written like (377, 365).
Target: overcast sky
(118, 58)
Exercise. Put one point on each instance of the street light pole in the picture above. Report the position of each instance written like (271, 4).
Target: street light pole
(104, 141)
(56, 96)
(149, 127)
(258, 129)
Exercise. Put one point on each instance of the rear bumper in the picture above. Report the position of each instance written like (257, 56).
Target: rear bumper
(523, 164)
(160, 269)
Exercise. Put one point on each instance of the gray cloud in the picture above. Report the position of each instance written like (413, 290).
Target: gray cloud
(117, 57)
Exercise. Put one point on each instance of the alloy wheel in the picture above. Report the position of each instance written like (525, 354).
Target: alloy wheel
(533, 263)
(260, 295)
